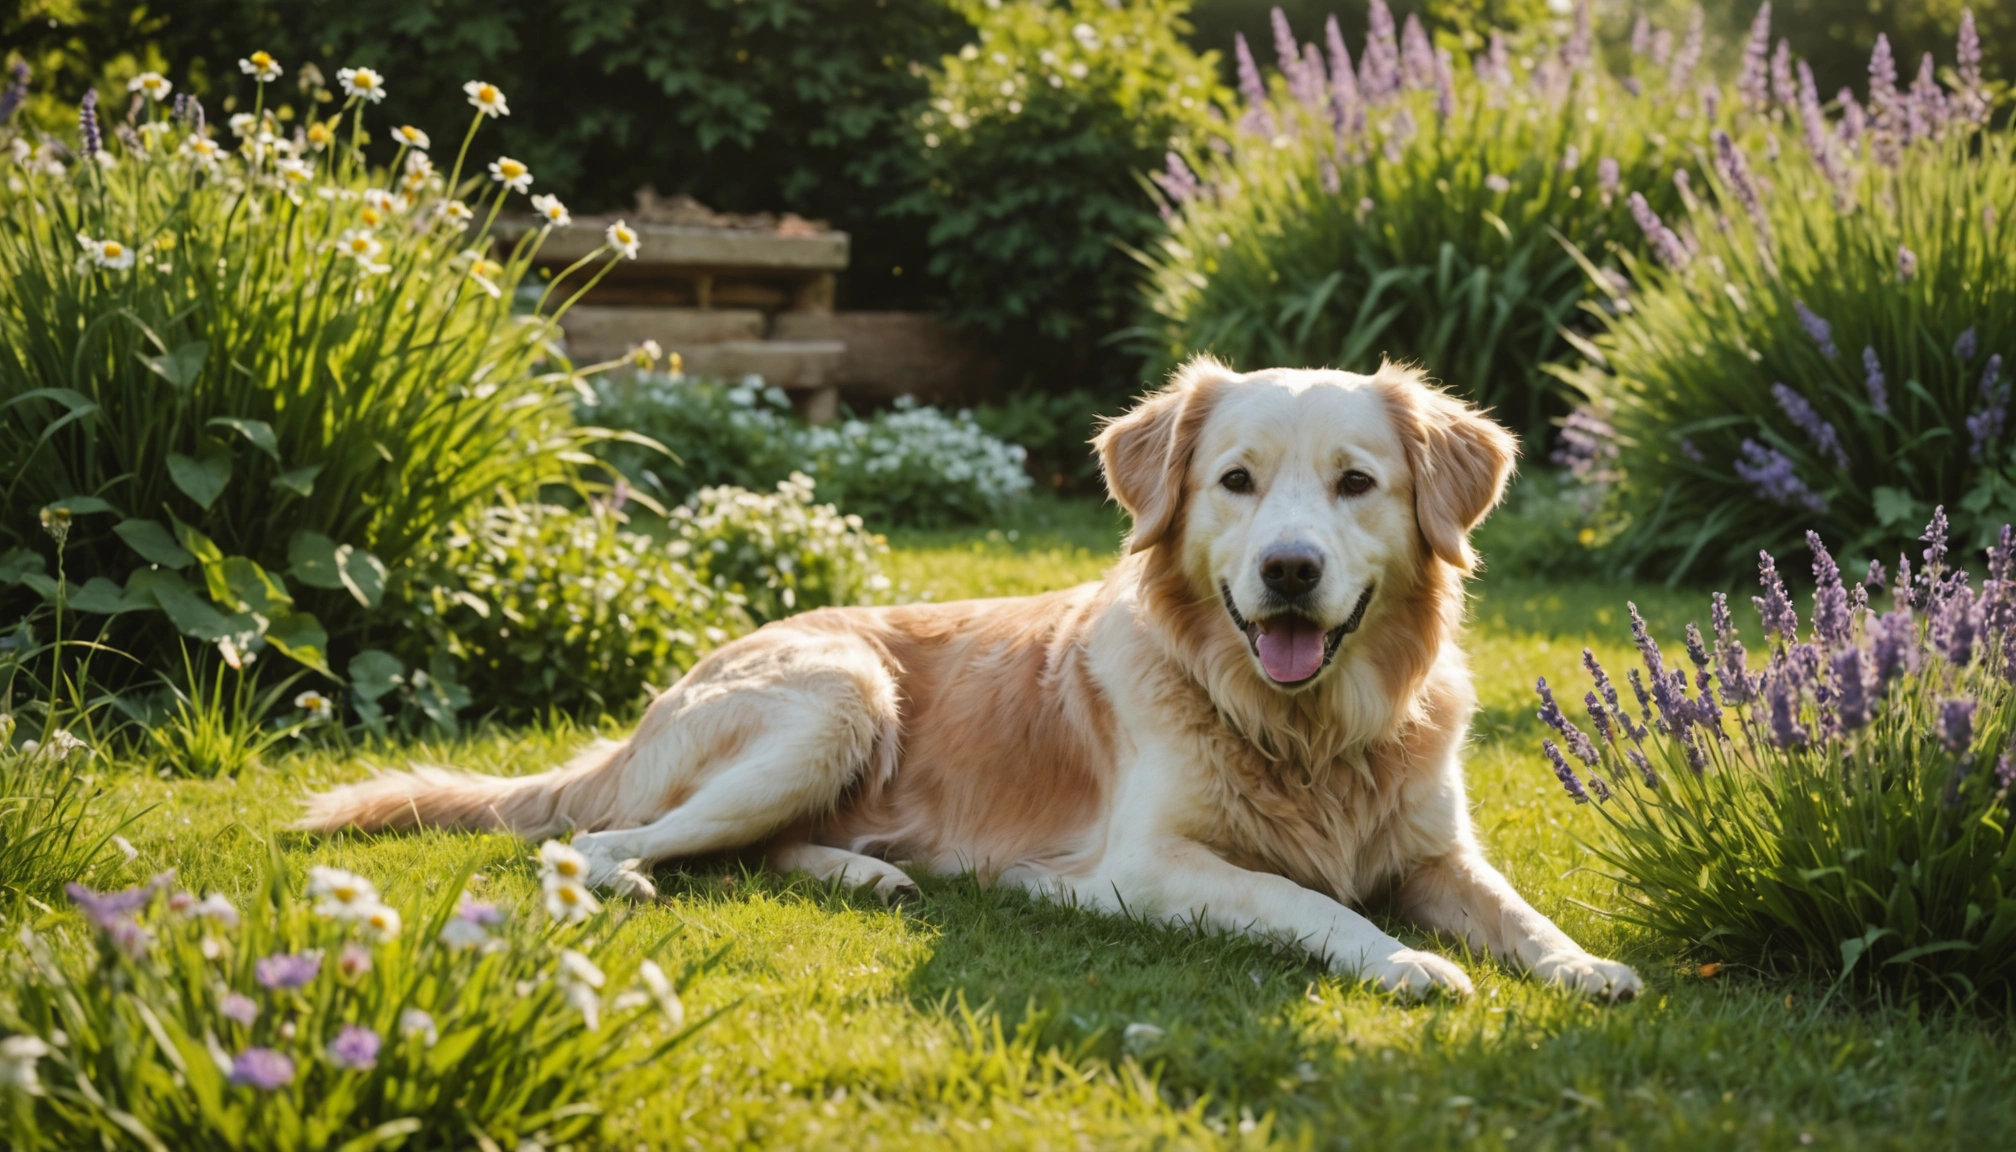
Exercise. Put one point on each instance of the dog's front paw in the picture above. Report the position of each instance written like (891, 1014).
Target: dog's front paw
(1413, 975)
(1589, 975)
(606, 862)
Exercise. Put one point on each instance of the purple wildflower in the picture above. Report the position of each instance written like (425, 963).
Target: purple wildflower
(1966, 346)
(1781, 694)
(1445, 86)
(1956, 724)
(1854, 122)
(1878, 387)
(1821, 332)
(109, 909)
(283, 970)
(1986, 424)
(1311, 81)
(1669, 694)
(1641, 35)
(1819, 141)
(1286, 52)
(262, 1068)
(1697, 648)
(1926, 110)
(1645, 700)
(1775, 607)
(1711, 100)
(1974, 105)
(1751, 86)
(235, 1006)
(1956, 625)
(1258, 119)
(1830, 598)
(1550, 714)
(1600, 717)
(87, 125)
(1891, 649)
(1379, 68)
(2005, 771)
(1344, 96)
(1665, 245)
(1875, 577)
(1735, 172)
(1771, 473)
(1648, 648)
(17, 91)
(1907, 264)
(1707, 712)
(1643, 765)
(1564, 773)
(1781, 75)
(1609, 177)
(1576, 52)
(1825, 439)
(1599, 788)
(355, 1048)
(1692, 451)
(1588, 447)
(1732, 670)
(1417, 57)
(1496, 67)
(1177, 180)
(1680, 76)
(1882, 81)
(1934, 540)
(1850, 674)
(1662, 48)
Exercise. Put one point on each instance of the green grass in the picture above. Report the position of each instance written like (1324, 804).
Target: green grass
(981, 1018)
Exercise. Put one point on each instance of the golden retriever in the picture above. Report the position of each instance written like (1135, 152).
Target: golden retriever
(1255, 719)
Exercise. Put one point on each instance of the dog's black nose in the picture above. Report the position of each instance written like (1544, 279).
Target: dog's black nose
(1291, 571)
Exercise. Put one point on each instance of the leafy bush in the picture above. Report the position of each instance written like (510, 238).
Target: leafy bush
(777, 554)
(1851, 810)
(913, 465)
(538, 608)
(1056, 430)
(313, 1026)
(1415, 207)
(1825, 346)
(1032, 148)
(248, 386)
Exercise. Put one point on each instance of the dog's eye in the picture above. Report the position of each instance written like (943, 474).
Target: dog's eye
(1237, 480)
(1354, 483)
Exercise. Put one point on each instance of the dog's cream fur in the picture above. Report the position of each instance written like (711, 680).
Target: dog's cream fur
(1117, 743)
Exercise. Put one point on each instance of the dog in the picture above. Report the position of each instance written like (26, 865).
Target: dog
(1254, 720)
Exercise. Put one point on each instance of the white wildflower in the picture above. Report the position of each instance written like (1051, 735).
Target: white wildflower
(487, 99)
(562, 861)
(568, 901)
(511, 173)
(261, 66)
(359, 245)
(411, 137)
(339, 894)
(380, 921)
(152, 85)
(624, 239)
(362, 82)
(18, 1055)
(553, 210)
(414, 1022)
(105, 254)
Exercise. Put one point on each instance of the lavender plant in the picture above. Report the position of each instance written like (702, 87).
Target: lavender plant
(1837, 801)
(326, 1019)
(1819, 335)
(1407, 202)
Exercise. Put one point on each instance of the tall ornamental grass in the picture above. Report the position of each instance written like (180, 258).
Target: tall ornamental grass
(1418, 205)
(1819, 335)
(1840, 802)
(253, 375)
(330, 1020)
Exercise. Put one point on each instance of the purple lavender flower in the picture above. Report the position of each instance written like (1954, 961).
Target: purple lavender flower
(1732, 670)
(110, 909)
(1599, 717)
(1813, 122)
(1643, 765)
(1648, 648)
(1780, 618)
(1752, 85)
(262, 1068)
(17, 92)
(1781, 75)
(233, 1006)
(1875, 577)
(1344, 96)
(1312, 81)
(1609, 177)
(1882, 80)
(1599, 788)
(87, 125)
(1645, 700)
(1956, 724)
(1177, 180)
(1662, 50)
(1854, 122)
(1550, 714)
(1692, 451)
(1818, 330)
(1956, 624)
(1891, 649)
(1781, 695)
(2005, 771)
(1966, 346)
(1711, 100)
(1878, 387)
(355, 1048)
(1967, 57)
(1379, 68)
(1641, 36)
(1665, 245)
(1825, 439)
(1445, 86)
(1258, 119)
(1830, 598)
(1707, 713)
(1417, 56)
(1771, 473)
(1926, 112)
(1588, 447)
(1697, 648)
(1286, 52)
(1680, 76)
(1985, 425)
(1735, 172)
(1934, 540)
(1564, 773)
(283, 970)
(1576, 52)
(1850, 675)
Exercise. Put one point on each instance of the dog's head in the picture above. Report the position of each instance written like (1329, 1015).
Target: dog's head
(1297, 498)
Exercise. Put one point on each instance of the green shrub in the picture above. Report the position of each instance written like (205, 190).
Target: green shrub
(538, 608)
(261, 384)
(1032, 150)
(777, 554)
(341, 1023)
(910, 466)
(1850, 811)
(1824, 347)
(1414, 206)
(1056, 430)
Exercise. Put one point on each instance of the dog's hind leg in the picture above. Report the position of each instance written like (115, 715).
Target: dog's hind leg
(851, 869)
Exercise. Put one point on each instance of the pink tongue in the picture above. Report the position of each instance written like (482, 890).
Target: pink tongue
(1291, 648)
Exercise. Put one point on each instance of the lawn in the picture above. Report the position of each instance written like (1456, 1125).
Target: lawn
(980, 1018)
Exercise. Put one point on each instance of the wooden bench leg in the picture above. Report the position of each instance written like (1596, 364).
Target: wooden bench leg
(817, 405)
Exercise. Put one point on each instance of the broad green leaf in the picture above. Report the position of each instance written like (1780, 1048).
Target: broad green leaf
(258, 432)
(81, 505)
(201, 480)
(191, 615)
(374, 673)
(311, 559)
(1893, 506)
(16, 564)
(102, 597)
(42, 586)
(181, 366)
(154, 543)
(300, 481)
(199, 545)
(300, 637)
(143, 585)
(363, 574)
(252, 588)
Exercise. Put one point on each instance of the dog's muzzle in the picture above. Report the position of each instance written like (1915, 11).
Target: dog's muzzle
(1291, 648)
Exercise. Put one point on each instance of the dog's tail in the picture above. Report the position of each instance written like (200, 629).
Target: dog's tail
(582, 794)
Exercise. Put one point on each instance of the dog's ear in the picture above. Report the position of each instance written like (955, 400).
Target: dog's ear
(1146, 452)
(1461, 461)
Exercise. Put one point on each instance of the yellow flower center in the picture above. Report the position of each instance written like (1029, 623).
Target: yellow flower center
(113, 249)
(360, 245)
(370, 216)
(487, 94)
(511, 169)
(625, 236)
(346, 893)
(365, 79)
(261, 60)
(569, 896)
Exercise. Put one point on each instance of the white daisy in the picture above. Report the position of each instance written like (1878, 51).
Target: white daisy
(553, 210)
(561, 860)
(414, 1022)
(339, 894)
(417, 164)
(295, 171)
(315, 704)
(106, 253)
(456, 212)
(411, 137)
(319, 135)
(647, 354)
(261, 66)
(152, 85)
(487, 98)
(511, 173)
(380, 922)
(569, 901)
(660, 987)
(485, 273)
(243, 123)
(624, 239)
(378, 198)
(579, 978)
(202, 149)
(361, 246)
(363, 82)
(18, 1055)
